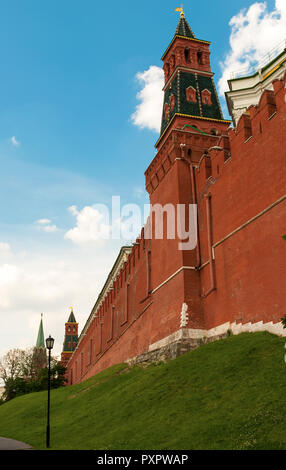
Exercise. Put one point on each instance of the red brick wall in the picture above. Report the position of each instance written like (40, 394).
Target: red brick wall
(121, 307)
(249, 266)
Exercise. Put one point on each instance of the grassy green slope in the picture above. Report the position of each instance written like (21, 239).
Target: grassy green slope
(225, 395)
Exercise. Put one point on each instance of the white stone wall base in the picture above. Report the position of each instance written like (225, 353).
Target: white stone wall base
(235, 328)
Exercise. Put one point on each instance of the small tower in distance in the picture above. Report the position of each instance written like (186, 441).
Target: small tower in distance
(71, 339)
(40, 338)
(40, 353)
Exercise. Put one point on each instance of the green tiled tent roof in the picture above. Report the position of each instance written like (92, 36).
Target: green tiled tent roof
(41, 339)
(184, 29)
(71, 318)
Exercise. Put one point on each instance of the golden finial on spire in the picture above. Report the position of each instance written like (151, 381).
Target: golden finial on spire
(181, 11)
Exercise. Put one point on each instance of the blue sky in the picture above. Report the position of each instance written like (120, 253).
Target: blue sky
(68, 89)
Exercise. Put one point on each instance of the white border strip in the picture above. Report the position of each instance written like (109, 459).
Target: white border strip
(235, 328)
(249, 221)
(193, 268)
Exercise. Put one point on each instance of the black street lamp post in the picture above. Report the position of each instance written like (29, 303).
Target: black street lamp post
(49, 345)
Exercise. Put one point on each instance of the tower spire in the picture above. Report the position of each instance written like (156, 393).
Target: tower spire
(40, 338)
(183, 27)
(71, 317)
(39, 352)
(181, 11)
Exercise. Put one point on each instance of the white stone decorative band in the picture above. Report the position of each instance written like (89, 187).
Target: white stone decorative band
(192, 268)
(235, 328)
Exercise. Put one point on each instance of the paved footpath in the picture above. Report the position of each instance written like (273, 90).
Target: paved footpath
(11, 444)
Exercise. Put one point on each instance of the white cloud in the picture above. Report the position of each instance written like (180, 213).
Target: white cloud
(38, 284)
(139, 192)
(8, 274)
(49, 282)
(5, 249)
(14, 141)
(254, 32)
(48, 276)
(27, 285)
(43, 221)
(149, 112)
(92, 225)
(73, 210)
(46, 225)
(50, 228)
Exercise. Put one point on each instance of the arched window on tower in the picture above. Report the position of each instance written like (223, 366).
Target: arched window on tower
(187, 55)
(172, 102)
(172, 62)
(166, 116)
(191, 95)
(206, 97)
(166, 71)
(200, 57)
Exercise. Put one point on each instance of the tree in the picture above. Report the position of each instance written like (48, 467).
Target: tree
(11, 365)
(25, 371)
(15, 387)
(58, 377)
(38, 361)
(22, 363)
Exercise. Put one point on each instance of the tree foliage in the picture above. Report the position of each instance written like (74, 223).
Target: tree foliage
(26, 371)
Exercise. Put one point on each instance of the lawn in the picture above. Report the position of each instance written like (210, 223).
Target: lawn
(229, 394)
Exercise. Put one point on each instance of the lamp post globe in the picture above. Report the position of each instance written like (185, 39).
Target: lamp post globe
(50, 343)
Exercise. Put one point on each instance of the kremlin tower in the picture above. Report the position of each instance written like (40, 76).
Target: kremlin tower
(192, 123)
(71, 338)
(190, 97)
(40, 353)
